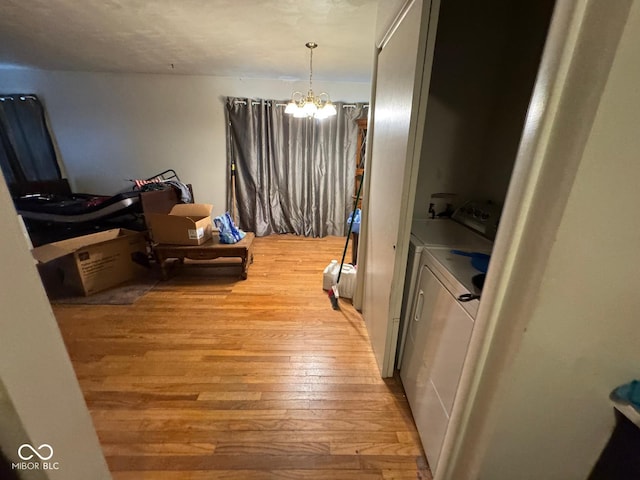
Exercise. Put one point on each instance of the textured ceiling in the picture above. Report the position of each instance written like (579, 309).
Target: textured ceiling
(246, 38)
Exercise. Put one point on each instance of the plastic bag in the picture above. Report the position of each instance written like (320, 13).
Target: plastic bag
(356, 221)
(227, 230)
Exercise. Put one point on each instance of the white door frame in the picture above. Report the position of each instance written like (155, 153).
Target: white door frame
(41, 399)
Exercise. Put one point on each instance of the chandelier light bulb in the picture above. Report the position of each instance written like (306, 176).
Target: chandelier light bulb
(309, 107)
(330, 109)
(291, 107)
(321, 113)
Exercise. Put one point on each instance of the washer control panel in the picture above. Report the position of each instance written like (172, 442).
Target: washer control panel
(482, 217)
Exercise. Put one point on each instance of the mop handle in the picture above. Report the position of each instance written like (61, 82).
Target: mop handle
(353, 214)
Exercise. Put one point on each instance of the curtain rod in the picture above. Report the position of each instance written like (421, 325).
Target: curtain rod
(21, 97)
(243, 102)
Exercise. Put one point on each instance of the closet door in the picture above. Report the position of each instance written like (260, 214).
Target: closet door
(402, 76)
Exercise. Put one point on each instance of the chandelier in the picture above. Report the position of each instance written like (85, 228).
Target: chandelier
(309, 105)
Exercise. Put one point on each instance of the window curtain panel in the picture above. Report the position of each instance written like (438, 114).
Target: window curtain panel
(26, 149)
(292, 175)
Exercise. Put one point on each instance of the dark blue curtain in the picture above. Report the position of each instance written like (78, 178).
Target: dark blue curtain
(26, 148)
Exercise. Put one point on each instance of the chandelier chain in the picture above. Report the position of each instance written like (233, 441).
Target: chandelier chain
(311, 70)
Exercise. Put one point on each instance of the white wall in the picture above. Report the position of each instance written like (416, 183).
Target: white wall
(520, 61)
(111, 127)
(38, 387)
(460, 97)
(559, 318)
(485, 62)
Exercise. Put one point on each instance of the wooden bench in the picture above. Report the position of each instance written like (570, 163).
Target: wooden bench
(209, 250)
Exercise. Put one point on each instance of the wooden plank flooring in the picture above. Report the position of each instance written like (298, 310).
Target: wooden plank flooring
(211, 377)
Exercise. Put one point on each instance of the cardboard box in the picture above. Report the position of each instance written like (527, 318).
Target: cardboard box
(91, 263)
(185, 224)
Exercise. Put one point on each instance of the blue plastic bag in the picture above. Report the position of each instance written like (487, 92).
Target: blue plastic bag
(628, 394)
(356, 221)
(227, 230)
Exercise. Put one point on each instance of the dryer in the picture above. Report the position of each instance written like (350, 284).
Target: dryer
(447, 233)
(438, 316)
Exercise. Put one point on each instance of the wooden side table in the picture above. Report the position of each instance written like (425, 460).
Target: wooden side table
(209, 250)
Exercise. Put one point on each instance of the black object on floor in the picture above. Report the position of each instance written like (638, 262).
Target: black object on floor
(619, 459)
(478, 280)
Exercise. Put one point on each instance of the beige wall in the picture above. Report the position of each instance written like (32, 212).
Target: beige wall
(112, 127)
(40, 399)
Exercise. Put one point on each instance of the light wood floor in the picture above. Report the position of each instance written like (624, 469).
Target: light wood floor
(211, 377)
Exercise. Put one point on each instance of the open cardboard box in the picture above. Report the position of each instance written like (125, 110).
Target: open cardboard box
(185, 224)
(91, 263)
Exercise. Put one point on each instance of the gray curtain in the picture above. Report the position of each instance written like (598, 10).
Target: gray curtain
(292, 175)
(26, 148)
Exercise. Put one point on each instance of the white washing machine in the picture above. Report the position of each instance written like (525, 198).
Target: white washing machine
(413, 268)
(448, 233)
(439, 309)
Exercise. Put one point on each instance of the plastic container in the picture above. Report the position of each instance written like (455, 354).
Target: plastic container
(330, 274)
(347, 285)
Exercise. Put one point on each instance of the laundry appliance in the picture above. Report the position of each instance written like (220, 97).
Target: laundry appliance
(441, 298)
